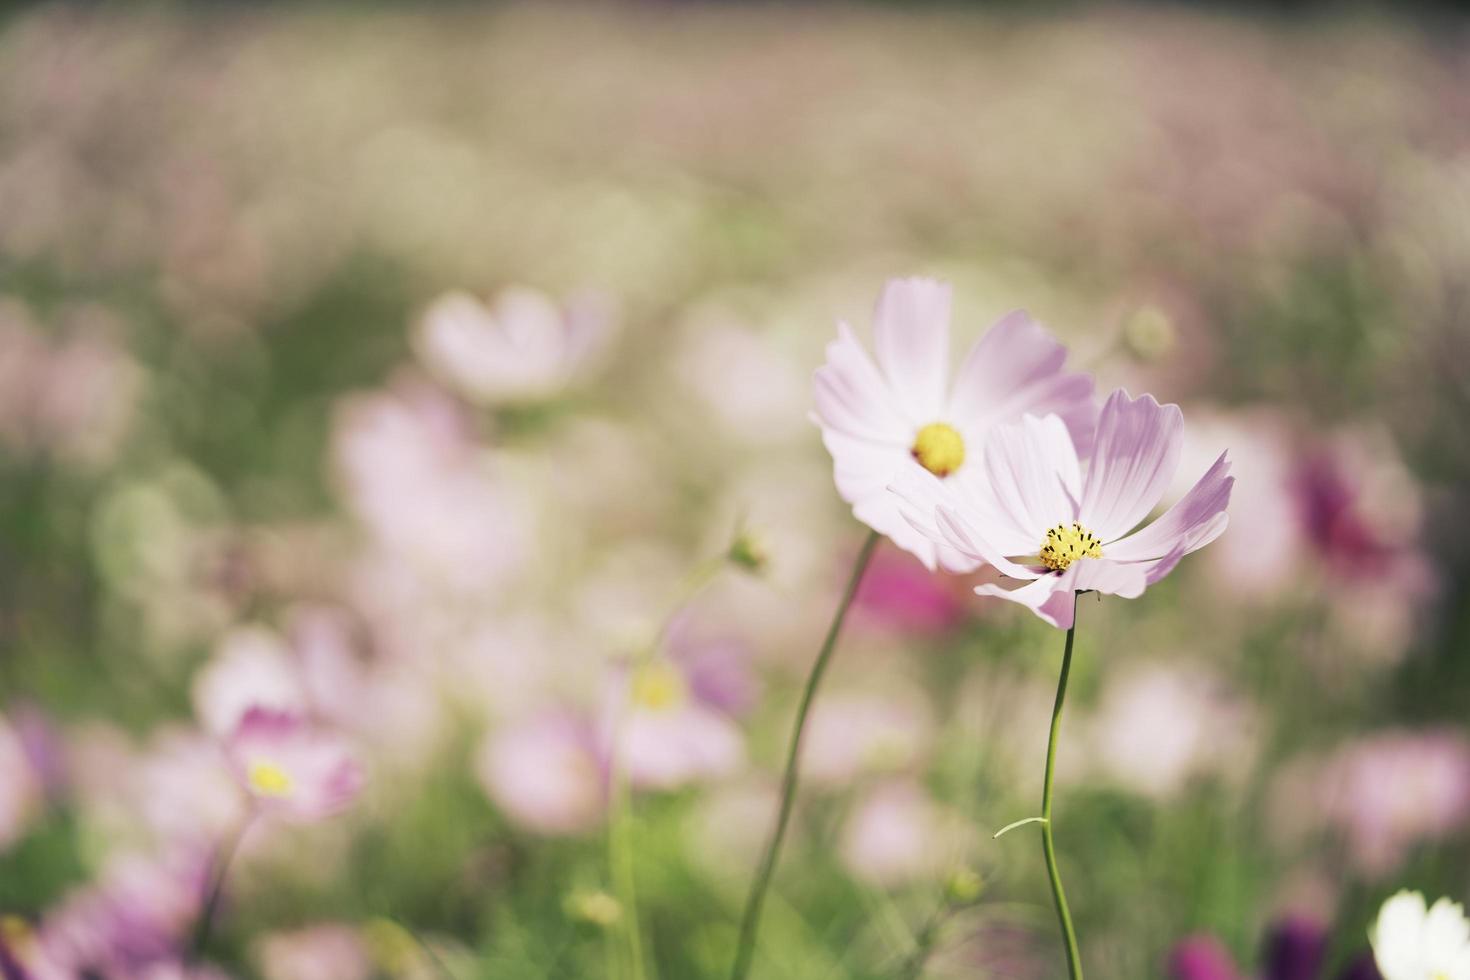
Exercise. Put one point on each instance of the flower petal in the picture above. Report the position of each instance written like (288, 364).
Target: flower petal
(1134, 458)
(1197, 519)
(1050, 596)
(918, 495)
(1033, 474)
(1015, 369)
(911, 338)
(852, 397)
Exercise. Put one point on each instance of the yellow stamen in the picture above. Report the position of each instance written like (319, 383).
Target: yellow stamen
(657, 686)
(939, 448)
(269, 779)
(1065, 543)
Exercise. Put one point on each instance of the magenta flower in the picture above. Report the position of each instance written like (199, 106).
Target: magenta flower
(903, 414)
(291, 769)
(1074, 532)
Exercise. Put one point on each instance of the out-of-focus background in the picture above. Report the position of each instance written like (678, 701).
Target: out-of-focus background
(412, 370)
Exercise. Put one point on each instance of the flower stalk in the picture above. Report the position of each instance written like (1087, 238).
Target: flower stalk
(215, 885)
(1048, 846)
(750, 921)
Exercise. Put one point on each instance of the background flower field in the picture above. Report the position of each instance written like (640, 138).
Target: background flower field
(260, 448)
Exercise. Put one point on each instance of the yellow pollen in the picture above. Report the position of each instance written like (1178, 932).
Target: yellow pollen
(269, 779)
(657, 686)
(1065, 543)
(939, 448)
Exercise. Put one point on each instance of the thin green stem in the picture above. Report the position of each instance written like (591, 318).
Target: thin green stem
(620, 857)
(219, 869)
(1048, 847)
(913, 967)
(750, 922)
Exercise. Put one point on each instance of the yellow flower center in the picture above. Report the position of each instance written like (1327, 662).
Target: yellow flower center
(657, 686)
(269, 779)
(1065, 543)
(939, 448)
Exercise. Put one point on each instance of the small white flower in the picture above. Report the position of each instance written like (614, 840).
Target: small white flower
(1415, 942)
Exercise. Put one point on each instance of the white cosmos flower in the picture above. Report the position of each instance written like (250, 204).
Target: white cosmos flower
(1415, 942)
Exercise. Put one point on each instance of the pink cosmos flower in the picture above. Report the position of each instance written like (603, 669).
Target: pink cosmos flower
(545, 773)
(22, 790)
(326, 951)
(898, 594)
(1075, 532)
(903, 415)
(664, 733)
(290, 769)
(897, 834)
(131, 919)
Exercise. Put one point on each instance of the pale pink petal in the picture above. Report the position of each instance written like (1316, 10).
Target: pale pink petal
(1049, 597)
(1134, 458)
(964, 537)
(882, 514)
(863, 469)
(1034, 476)
(1197, 519)
(853, 398)
(917, 495)
(911, 338)
(1016, 369)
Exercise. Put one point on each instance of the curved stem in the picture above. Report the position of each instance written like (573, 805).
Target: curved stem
(220, 867)
(750, 922)
(1064, 915)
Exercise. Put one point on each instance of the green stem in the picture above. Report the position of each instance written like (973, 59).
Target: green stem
(750, 922)
(220, 867)
(913, 967)
(1064, 916)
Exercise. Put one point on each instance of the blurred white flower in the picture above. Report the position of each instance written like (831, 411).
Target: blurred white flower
(523, 348)
(1412, 941)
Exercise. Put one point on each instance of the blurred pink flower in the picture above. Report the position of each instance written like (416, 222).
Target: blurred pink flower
(1160, 725)
(432, 498)
(74, 397)
(1074, 533)
(851, 733)
(522, 349)
(1202, 958)
(882, 421)
(326, 951)
(291, 769)
(663, 733)
(1390, 791)
(184, 789)
(897, 835)
(129, 921)
(20, 789)
(1262, 557)
(544, 772)
(899, 593)
(252, 667)
(41, 739)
